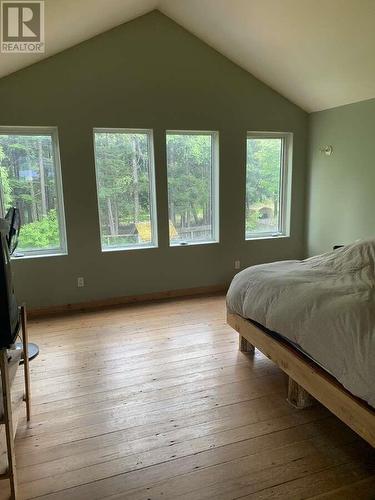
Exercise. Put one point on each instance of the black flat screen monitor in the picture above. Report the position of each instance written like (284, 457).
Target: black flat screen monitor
(9, 312)
(14, 220)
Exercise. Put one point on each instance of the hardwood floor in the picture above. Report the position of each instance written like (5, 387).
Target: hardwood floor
(155, 401)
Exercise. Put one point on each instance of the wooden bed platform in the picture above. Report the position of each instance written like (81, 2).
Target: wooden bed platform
(306, 378)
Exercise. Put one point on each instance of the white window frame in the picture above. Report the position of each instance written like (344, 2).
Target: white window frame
(285, 184)
(53, 133)
(152, 185)
(214, 134)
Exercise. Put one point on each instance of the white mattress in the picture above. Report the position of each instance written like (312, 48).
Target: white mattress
(325, 305)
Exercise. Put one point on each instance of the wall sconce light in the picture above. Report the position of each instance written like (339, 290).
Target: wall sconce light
(327, 150)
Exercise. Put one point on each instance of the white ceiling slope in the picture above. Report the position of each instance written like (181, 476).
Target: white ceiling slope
(317, 53)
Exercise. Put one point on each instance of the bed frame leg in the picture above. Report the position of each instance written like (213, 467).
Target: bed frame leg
(244, 345)
(297, 396)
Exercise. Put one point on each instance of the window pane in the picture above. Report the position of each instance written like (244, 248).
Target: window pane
(263, 180)
(28, 181)
(124, 175)
(190, 197)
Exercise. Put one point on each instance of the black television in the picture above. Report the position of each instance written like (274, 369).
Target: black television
(9, 312)
(13, 218)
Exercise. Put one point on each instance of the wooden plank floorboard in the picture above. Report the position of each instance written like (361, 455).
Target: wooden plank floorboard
(137, 346)
(185, 442)
(94, 336)
(184, 413)
(166, 399)
(197, 471)
(132, 397)
(155, 401)
(129, 401)
(360, 490)
(247, 449)
(196, 363)
(158, 358)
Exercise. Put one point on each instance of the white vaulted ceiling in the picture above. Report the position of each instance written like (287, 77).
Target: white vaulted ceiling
(317, 53)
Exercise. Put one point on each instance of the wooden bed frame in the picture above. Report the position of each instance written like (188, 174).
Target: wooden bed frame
(306, 378)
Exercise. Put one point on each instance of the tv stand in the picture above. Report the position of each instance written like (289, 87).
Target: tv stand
(10, 403)
(33, 350)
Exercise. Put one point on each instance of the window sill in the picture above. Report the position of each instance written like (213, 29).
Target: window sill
(267, 237)
(193, 244)
(126, 249)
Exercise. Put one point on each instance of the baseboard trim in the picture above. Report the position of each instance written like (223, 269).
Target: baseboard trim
(128, 299)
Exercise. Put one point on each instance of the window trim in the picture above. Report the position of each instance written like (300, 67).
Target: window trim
(285, 184)
(53, 133)
(215, 188)
(152, 184)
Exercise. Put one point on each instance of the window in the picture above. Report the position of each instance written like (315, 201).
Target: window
(192, 161)
(30, 179)
(126, 192)
(267, 184)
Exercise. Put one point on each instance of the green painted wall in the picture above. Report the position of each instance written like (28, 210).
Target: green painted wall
(149, 73)
(341, 201)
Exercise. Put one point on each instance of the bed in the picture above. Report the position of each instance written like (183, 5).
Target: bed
(316, 319)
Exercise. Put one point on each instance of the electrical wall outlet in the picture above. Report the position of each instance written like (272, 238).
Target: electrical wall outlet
(80, 282)
(237, 264)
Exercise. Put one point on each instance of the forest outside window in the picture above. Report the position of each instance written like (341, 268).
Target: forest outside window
(268, 179)
(124, 162)
(192, 161)
(30, 180)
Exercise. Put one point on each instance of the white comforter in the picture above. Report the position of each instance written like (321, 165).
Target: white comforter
(325, 305)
